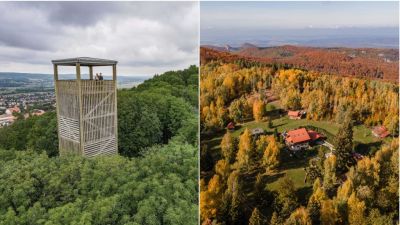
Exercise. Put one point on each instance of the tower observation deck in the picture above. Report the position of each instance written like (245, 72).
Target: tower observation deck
(86, 109)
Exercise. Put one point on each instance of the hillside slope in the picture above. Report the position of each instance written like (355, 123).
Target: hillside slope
(361, 62)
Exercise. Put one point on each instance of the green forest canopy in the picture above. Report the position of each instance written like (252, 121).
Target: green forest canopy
(157, 184)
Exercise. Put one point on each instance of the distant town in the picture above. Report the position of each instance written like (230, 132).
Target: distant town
(25, 95)
(25, 104)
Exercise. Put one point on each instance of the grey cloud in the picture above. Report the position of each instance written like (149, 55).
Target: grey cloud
(138, 34)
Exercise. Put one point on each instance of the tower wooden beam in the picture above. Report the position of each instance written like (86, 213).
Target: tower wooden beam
(115, 104)
(91, 72)
(79, 82)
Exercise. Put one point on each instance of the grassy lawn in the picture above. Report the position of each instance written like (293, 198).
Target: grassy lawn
(291, 166)
(362, 134)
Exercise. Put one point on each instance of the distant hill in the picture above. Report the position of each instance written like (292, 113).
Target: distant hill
(31, 80)
(361, 62)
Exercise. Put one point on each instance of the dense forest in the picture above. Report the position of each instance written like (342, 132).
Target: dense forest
(241, 174)
(230, 90)
(152, 181)
(363, 62)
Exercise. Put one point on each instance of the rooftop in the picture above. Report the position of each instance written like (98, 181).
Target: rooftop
(380, 131)
(84, 61)
(257, 131)
(302, 135)
(298, 136)
(293, 113)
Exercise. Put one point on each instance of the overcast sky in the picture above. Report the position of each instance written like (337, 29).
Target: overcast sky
(145, 37)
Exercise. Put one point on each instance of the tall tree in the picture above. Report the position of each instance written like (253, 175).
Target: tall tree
(271, 155)
(228, 147)
(255, 218)
(243, 156)
(235, 211)
(286, 201)
(258, 110)
(356, 211)
(315, 168)
(344, 146)
(299, 217)
(314, 202)
(328, 213)
(330, 179)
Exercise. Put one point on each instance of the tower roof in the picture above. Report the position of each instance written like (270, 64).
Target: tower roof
(84, 61)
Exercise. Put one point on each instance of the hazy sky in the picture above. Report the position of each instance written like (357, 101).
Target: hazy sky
(298, 14)
(145, 37)
(320, 24)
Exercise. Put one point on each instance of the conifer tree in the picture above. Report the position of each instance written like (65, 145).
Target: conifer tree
(228, 147)
(299, 217)
(286, 200)
(235, 210)
(270, 124)
(314, 202)
(255, 218)
(275, 219)
(344, 146)
(328, 213)
(356, 211)
(330, 180)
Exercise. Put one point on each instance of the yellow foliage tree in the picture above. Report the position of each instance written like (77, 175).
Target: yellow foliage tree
(314, 202)
(244, 152)
(223, 169)
(271, 154)
(210, 199)
(328, 213)
(367, 172)
(330, 179)
(345, 191)
(258, 110)
(356, 211)
(299, 217)
(227, 147)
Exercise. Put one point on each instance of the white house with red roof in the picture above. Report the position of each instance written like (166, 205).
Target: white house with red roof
(300, 138)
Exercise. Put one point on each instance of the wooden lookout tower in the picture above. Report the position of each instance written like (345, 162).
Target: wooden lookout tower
(86, 109)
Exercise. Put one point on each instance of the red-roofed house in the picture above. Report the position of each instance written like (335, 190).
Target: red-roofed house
(300, 138)
(357, 156)
(38, 112)
(294, 115)
(380, 132)
(12, 110)
(231, 126)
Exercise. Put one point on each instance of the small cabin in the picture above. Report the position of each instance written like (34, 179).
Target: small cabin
(380, 132)
(257, 131)
(230, 126)
(296, 115)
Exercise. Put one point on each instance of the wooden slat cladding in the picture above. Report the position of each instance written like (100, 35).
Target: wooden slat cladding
(98, 125)
(68, 118)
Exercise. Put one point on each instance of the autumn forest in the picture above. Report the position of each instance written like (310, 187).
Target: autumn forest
(250, 174)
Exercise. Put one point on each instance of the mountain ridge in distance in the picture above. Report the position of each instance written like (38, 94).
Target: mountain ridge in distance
(375, 63)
